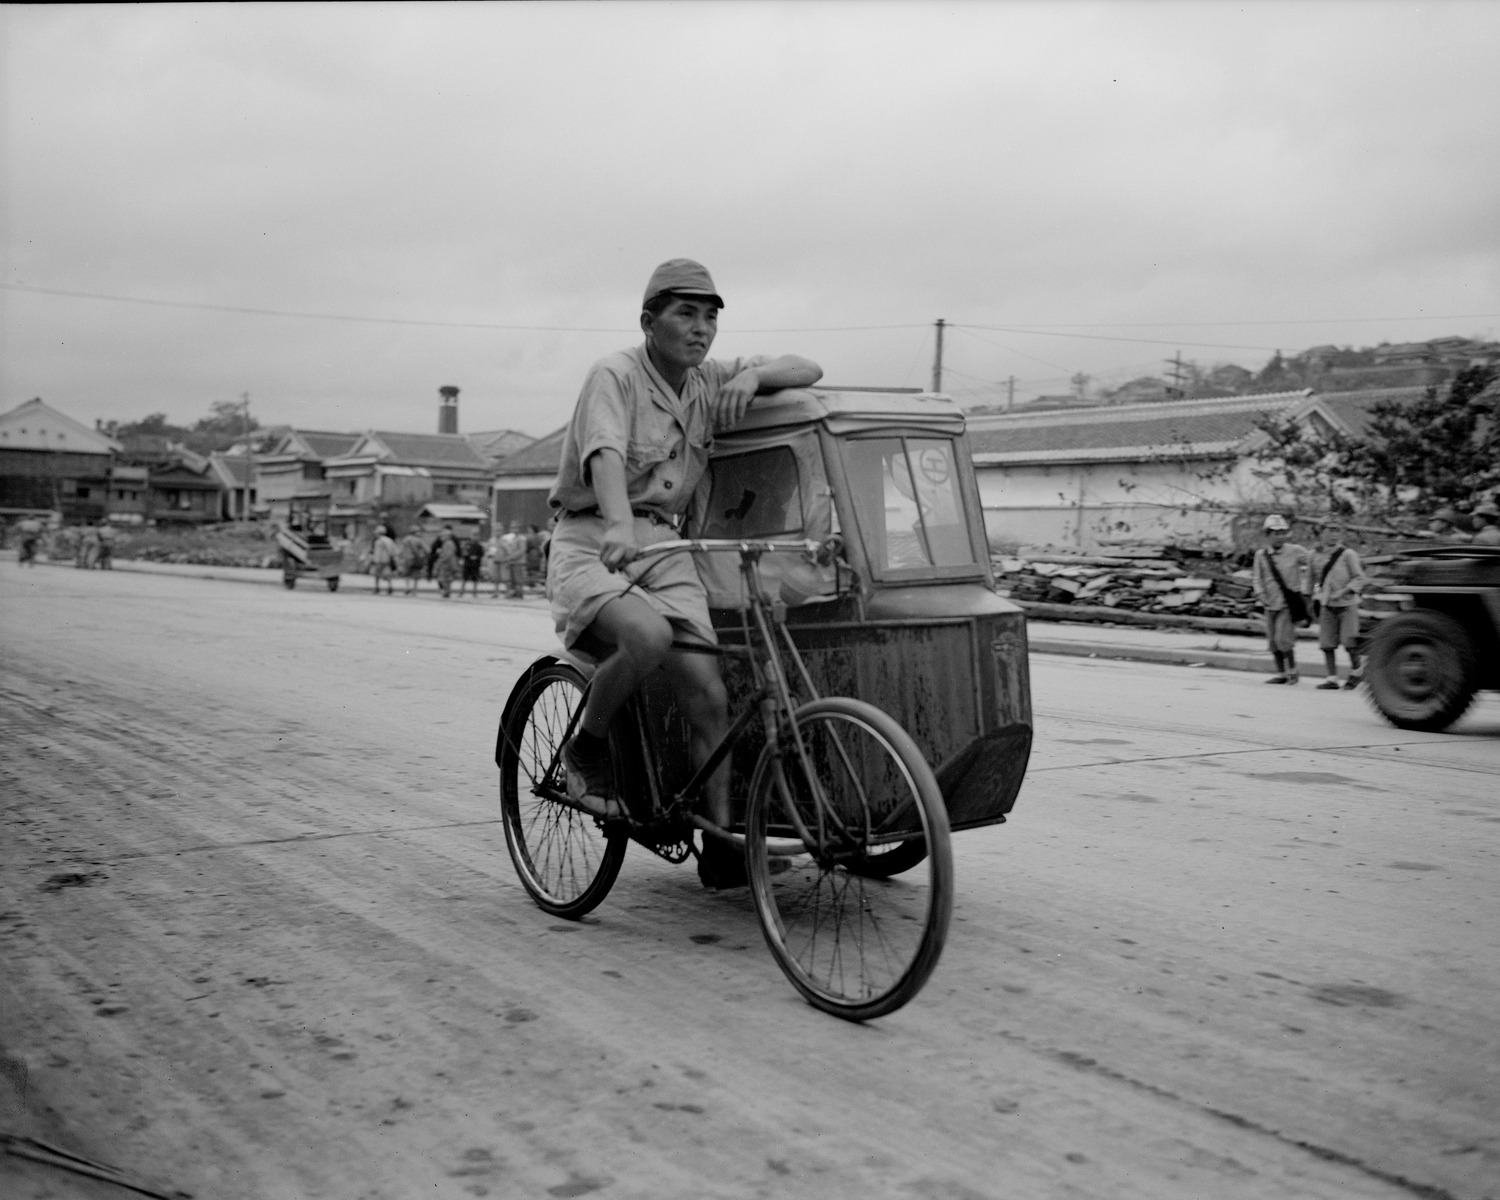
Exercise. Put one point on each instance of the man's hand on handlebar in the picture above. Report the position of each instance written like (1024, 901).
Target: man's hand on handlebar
(618, 545)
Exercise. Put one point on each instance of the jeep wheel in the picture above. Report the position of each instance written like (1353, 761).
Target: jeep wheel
(1420, 670)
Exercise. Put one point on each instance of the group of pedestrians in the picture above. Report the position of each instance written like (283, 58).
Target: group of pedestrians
(91, 547)
(515, 559)
(1297, 587)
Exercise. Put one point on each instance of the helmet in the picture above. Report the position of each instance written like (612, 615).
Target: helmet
(1445, 514)
(1274, 522)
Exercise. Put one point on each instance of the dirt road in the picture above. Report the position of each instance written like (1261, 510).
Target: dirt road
(260, 938)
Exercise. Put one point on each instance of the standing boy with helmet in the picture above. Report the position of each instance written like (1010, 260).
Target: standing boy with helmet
(1340, 578)
(636, 448)
(1281, 576)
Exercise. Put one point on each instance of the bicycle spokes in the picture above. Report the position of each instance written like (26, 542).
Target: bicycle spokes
(855, 942)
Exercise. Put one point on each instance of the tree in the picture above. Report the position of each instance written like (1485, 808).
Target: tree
(221, 429)
(1307, 467)
(1275, 376)
(1441, 449)
(1418, 456)
(156, 425)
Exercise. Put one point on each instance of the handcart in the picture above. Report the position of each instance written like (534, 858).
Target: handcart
(306, 548)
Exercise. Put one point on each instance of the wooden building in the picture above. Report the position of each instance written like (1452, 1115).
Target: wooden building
(50, 463)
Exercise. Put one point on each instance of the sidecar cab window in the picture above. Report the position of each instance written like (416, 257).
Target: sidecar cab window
(908, 504)
(755, 495)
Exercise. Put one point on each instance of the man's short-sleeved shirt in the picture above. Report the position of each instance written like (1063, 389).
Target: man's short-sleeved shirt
(664, 438)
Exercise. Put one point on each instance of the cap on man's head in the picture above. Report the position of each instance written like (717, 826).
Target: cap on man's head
(681, 277)
(1445, 514)
(1275, 521)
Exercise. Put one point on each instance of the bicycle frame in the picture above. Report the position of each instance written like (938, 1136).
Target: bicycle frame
(773, 701)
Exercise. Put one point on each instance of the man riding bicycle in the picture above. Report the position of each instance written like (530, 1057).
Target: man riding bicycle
(632, 458)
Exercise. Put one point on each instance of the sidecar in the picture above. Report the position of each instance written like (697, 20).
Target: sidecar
(906, 617)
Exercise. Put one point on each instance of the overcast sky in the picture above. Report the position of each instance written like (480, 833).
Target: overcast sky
(413, 196)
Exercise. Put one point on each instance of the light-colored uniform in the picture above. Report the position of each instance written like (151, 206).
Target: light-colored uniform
(1295, 564)
(1338, 593)
(665, 441)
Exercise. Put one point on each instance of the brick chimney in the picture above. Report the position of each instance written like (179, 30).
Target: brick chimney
(448, 412)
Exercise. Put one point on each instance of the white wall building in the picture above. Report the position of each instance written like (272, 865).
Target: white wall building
(1087, 479)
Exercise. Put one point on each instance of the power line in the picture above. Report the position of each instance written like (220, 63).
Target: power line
(1209, 324)
(1099, 337)
(313, 316)
(1010, 349)
(246, 310)
(1056, 329)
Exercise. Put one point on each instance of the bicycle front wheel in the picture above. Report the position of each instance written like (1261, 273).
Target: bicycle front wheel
(855, 944)
(563, 856)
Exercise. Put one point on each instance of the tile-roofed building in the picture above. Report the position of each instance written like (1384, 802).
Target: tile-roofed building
(51, 463)
(441, 450)
(292, 465)
(523, 479)
(391, 475)
(1089, 478)
(1124, 432)
(322, 445)
(236, 476)
(499, 444)
(184, 492)
(1349, 413)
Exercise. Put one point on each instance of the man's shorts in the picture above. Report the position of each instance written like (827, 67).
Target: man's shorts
(1338, 627)
(579, 585)
(1281, 634)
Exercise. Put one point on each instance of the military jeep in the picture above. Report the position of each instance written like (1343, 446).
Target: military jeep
(1426, 662)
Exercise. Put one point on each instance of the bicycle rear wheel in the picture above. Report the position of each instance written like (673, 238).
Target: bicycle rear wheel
(854, 944)
(563, 856)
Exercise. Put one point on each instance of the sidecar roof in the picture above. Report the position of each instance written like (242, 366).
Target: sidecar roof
(848, 409)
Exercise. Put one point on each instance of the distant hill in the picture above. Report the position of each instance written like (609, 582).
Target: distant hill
(1321, 368)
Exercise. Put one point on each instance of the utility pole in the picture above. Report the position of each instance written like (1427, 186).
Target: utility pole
(249, 461)
(1176, 391)
(1010, 393)
(937, 360)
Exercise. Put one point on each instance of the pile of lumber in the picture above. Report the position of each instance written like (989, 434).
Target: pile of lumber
(1128, 583)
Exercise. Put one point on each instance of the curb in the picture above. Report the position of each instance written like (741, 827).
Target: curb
(1226, 660)
(270, 575)
(265, 576)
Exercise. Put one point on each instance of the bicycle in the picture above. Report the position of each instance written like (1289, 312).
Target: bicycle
(840, 802)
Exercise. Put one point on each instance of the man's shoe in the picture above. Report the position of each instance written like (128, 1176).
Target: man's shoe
(591, 782)
(1292, 677)
(1329, 685)
(721, 866)
(1277, 679)
(1351, 683)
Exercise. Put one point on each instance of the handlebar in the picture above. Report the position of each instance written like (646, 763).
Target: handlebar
(824, 551)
